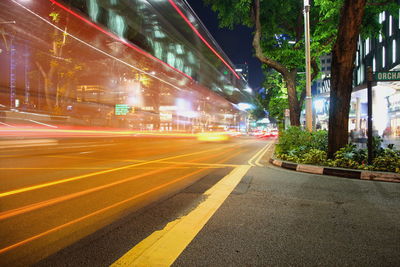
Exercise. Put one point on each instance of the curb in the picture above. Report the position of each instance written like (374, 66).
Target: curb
(346, 173)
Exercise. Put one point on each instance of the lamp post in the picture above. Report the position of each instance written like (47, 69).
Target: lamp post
(308, 65)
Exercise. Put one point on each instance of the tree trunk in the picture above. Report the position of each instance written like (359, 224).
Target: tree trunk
(289, 76)
(294, 105)
(343, 56)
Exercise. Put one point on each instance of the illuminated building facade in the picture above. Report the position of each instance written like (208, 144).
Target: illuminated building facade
(382, 54)
(81, 58)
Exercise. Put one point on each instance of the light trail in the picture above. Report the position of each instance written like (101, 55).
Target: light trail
(25, 241)
(41, 123)
(201, 37)
(99, 50)
(46, 203)
(117, 38)
(79, 177)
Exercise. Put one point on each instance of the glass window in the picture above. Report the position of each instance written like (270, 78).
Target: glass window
(374, 64)
(383, 57)
(394, 51)
(367, 46)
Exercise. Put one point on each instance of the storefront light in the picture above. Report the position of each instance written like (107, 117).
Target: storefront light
(319, 105)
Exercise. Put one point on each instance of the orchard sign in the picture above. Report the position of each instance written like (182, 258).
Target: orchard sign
(387, 76)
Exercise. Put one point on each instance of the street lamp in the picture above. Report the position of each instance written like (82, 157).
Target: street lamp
(308, 65)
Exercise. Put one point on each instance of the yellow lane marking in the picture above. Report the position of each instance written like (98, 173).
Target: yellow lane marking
(100, 211)
(10, 213)
(257, 155)
(257, 162)
(34, 187)
(164, 162)
(84, 168)
(163, 247)
(195, 165)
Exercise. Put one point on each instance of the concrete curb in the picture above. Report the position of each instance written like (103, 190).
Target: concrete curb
(346, 173)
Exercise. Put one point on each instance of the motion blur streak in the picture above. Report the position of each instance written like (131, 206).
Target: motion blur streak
(116, 37)
(30, 188)
(3, 250)
(201, 37)
(105, 53)
(8, 214)
(88, 132)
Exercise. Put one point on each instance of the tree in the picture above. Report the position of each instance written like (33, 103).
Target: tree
(278, 39)
(345, 21)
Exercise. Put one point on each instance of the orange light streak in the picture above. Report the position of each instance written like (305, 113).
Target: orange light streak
(46, 203)
(23, 242)
(30, 188)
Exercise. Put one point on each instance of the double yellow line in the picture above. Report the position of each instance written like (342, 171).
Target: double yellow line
(255, 160)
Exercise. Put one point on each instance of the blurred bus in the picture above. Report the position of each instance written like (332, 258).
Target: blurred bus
(146, 65)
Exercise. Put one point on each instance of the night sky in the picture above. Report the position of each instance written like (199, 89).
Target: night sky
(237, 43)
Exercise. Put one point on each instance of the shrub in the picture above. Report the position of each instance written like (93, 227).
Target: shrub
(320, 140)
(349, 157)
(293, 140)
(314, 156)
(296, 142)
(388, 160)
(300, 146)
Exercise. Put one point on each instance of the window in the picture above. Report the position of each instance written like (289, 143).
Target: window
(322, 61)
(394, 51)
(382, 17)
(328, 60)
(323, 68)
(367, 46)
(383, 57)
(390, 26)
(374, 64)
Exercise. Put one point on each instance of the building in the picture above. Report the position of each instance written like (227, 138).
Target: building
(82, 59)
(243, 69)
(382, 54)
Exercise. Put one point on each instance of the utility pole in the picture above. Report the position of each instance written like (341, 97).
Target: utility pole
(369, 95)
(308, 65)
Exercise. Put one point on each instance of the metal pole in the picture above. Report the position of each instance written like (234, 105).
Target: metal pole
(308, 66)
(370, 136)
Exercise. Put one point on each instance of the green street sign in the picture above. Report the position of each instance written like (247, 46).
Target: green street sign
(121, 109)
(387, 76)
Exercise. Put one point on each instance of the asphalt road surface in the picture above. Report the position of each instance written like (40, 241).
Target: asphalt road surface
(172, 201)
(59, 191)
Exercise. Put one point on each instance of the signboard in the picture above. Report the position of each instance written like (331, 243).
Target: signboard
(387, 76)
(121, 109)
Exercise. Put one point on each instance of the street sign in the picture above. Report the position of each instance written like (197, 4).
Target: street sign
(387, 76)
(121, 109)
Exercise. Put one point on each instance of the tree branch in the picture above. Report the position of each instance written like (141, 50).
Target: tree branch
(315, 69)
(257, 43)
(384, 3)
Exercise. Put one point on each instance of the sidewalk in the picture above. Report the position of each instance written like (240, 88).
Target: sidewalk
(277, 217)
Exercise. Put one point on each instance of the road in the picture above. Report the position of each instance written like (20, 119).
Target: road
(62, 190)
(173, 201)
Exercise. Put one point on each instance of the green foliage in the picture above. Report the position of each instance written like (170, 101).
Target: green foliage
(388, 160)
(293, 147)
(314, 156)
(296, 142)
(349, 157)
